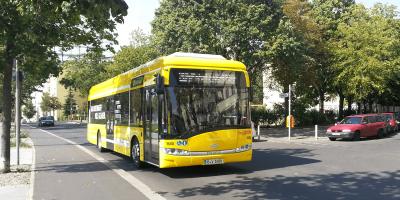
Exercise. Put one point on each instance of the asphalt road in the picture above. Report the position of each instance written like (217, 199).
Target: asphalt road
(367, 169)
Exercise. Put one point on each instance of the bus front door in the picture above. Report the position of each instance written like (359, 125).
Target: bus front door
(151, 129)
(110, 122)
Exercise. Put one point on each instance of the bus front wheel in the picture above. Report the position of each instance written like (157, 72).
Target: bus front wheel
(135, 154)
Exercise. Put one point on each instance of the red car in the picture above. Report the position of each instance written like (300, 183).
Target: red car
(393, 121)
(356, 126)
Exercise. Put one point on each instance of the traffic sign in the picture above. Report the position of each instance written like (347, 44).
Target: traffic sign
(283, 95)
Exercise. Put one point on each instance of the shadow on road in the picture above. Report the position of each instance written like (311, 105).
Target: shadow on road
(262, 160)
(348, 185)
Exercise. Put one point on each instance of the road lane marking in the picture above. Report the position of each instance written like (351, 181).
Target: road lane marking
(32, 179)
(139, 185)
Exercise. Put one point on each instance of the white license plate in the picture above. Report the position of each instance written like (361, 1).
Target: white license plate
(213, 161)
(335, 133)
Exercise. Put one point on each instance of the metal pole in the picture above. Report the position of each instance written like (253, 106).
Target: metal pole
(17, 117)
(316, 132)
(289, 111)
(70, 106)
(258, 131)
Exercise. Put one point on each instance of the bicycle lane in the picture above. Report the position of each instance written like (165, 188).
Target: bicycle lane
(64, 171)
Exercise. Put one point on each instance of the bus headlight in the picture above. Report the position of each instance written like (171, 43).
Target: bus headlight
(178, 152)
(243, 148)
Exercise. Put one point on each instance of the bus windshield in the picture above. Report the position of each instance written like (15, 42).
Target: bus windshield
(206, 100)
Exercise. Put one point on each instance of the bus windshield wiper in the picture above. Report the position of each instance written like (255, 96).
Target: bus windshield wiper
(190, 129)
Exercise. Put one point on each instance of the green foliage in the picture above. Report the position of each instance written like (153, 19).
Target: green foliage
(79, 73)
(261, 115)
(49, 103)
(22, 169)
(30, 31)
(21, 144)
(24, 134)
(69, 104)
(233, 29)
(29, 110)
(316, 117)
(367, 55)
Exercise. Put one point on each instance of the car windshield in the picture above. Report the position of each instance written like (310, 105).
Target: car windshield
(206, 100)
(389, 116)
(46, 118)
(351, 120)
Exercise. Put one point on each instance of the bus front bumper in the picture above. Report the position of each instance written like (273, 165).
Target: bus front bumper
(167, 161)
(347, 135)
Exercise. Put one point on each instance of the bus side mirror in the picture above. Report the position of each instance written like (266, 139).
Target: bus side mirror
(160, 85)
(251, 94)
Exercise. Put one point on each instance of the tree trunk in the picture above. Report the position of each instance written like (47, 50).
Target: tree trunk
(341, 102)
(6, 125)
(349, 103)
(370, 103)
(321, 94)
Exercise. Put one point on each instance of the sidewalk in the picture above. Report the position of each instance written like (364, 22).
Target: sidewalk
(17, 192)
(297, 133)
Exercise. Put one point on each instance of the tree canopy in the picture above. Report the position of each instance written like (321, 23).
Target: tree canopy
(79, 73)
(30, 30)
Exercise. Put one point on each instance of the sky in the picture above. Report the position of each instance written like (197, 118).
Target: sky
(141, 13)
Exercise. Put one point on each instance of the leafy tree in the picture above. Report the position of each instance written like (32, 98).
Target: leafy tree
(296, 48)
(30, 30)
(329, 13)
(366, 53)
(49, 103)
(29, 110)
(69, 103)
(79, 74)
(233, 29)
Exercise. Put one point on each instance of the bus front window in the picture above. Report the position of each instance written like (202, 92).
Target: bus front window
(206, 100)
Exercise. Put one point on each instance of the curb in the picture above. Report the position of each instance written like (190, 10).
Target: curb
(32, 179)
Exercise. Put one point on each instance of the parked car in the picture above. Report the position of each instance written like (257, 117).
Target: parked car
(46, 121)
(356, 126)
(393, 122)
(387, 122)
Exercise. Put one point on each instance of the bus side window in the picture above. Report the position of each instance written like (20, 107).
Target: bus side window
(121, 109)
(136, 108)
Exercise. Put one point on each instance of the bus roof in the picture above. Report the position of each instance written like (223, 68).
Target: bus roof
(176, 59)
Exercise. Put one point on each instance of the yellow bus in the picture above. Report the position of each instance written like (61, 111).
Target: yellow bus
(184, 109)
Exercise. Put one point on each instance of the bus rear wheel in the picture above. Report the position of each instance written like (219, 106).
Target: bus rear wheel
(135, 154)
(99, 147)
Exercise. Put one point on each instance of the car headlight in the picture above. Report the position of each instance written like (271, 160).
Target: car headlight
(243, 148)
(178, 152)
(329, 130)
(346, 130)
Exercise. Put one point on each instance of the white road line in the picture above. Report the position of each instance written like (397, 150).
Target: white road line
(32, 179)
(144, 189)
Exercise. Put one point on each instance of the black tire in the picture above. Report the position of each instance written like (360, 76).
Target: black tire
(135, 154)
(99, 147)
(356, 136)
(332, 139)
(379, 135)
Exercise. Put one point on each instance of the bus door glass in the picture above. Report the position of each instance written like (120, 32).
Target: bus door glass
(110, 119)
(151, 138)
